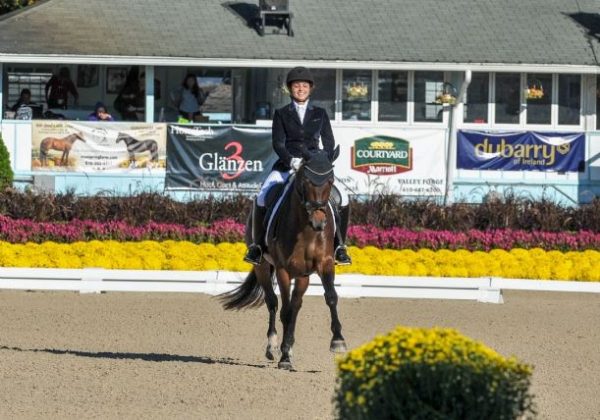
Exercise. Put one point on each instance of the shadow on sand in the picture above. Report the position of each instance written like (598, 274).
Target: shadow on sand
(147, 357)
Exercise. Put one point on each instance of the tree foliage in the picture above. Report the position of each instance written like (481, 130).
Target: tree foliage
(10, 5)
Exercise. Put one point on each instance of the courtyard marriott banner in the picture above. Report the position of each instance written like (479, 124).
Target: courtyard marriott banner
(210, 158)
(409, 162)
(521, 151)
(74, 146)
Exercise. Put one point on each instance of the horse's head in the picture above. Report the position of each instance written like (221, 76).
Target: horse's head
(314, 181)
(120, 137)
(79, 135)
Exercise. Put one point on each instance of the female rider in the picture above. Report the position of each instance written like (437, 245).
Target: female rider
(297, 128)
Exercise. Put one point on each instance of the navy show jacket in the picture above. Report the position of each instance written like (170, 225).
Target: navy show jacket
(291, 138)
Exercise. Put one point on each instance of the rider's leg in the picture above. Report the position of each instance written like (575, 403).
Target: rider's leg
(255, 250)
(342, 220)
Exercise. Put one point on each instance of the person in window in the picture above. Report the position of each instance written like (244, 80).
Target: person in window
(190, 98)
(24, 100)
(58, 89)
(131, 101)
(298, 127)
(100, 113)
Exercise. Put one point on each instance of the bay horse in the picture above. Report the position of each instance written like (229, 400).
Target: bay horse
(64, 145)
(139, 146)
(302, 243)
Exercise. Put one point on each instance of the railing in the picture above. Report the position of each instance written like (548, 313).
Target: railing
(91, 280)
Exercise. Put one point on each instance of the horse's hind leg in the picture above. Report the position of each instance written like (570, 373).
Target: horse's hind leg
(289, 315)
(338, 344)
(264, 274)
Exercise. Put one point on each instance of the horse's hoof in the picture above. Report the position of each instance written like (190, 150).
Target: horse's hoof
(286, 365)
(338, 346)
(272, 352)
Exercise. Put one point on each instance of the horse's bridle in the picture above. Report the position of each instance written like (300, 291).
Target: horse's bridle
(312, 206)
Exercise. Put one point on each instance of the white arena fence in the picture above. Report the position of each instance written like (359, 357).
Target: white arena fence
(94, 280)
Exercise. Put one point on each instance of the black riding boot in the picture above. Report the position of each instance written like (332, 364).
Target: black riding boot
(341, 254)
(255, 250)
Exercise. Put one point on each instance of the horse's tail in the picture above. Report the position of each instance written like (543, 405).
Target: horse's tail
(249, 294)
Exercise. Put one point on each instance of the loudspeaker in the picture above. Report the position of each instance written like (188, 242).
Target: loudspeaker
(275, 5)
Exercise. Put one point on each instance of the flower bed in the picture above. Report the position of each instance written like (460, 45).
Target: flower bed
(183, 255)
(430, 373)
(22, 231)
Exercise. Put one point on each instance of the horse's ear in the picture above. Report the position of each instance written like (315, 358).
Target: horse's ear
(335, 154)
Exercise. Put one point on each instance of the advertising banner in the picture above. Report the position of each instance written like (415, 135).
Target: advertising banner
(73, 146)
(521, 151)
(409, 162)
(210, 158)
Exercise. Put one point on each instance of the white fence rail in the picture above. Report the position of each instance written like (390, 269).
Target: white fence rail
(93, 280)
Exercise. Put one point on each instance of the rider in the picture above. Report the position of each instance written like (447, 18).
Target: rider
(297, 128)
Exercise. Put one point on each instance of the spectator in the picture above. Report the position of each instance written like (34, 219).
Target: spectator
(100, 113)
(58, 89)
(24, 100)
(131, 101)
(190, 98)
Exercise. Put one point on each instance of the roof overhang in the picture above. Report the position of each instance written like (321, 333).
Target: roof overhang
(268, 63)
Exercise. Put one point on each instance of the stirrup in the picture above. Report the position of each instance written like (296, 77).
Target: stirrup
(254, 255)
(343, 258)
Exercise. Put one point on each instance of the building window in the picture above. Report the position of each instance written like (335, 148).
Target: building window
(393, 95)
(323, 94)
(34, 81)
(539, 109)
(476, 105)
(428, 84)
(508, 98)
(569, 99)
(356, 95)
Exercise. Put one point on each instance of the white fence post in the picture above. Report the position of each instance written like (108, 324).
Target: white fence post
(91, 280)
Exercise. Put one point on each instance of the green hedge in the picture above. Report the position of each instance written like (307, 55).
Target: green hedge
(431, 374)
(6, 173)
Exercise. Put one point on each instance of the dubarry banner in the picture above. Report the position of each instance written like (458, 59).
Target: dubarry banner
(210, 158)
(521, 151)
(73, 146)
(401, 161)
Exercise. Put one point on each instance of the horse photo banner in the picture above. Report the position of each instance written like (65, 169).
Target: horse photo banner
(218, 158)
(74, 146)
(403, 161)
(521, 151)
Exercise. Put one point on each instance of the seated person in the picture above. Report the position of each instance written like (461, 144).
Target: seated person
(100, 113)
(24, 100)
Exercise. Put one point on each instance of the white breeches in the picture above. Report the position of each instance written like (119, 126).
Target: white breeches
(276, 177)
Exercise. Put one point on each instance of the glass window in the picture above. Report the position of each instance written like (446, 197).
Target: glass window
(476, 104)
(539, 98)
(393, 95)
(323, 94)
(428, 84)
(508, 98)
(356, 95)
(569, 99)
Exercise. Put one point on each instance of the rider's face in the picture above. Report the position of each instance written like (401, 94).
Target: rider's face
(300, 91)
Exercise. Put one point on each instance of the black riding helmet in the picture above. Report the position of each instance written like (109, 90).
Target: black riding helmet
(299, 74)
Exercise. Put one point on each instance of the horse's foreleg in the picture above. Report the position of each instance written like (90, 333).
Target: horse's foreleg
(284, 282)
(338, 344)
(63, 159)
(291, 317)
(264, 273)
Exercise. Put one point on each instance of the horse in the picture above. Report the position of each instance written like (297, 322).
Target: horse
(301, 243)
(138, 146)
(63, 145)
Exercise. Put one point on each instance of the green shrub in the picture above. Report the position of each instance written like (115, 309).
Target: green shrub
(6, 173)
(431, 374)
